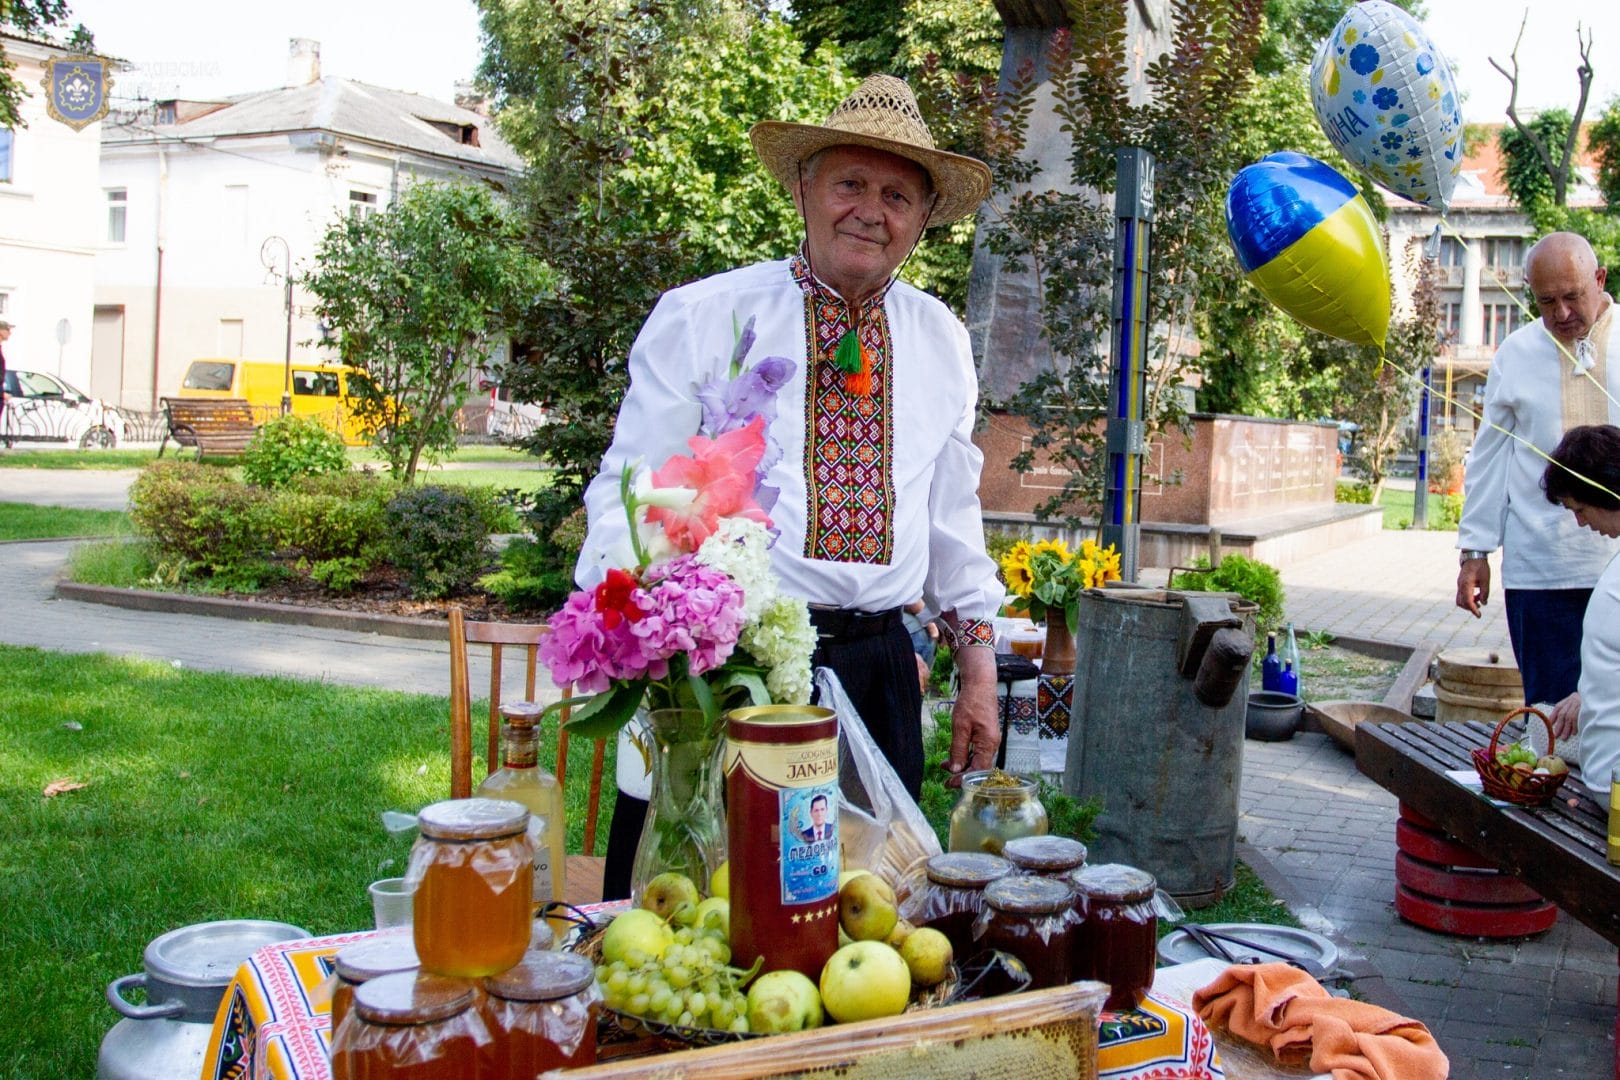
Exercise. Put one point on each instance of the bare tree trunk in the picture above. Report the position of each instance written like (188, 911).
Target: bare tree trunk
(1560, 171)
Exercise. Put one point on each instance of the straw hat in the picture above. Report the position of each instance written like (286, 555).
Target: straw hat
(882, 113)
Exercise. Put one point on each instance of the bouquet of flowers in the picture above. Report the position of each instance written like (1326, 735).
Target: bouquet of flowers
(1046, 575)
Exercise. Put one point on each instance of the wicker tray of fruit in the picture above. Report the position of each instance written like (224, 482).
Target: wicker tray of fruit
(1514, 773)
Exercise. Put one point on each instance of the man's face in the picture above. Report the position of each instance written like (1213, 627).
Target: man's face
(863, 210)
(818, 813)
(1569, 295)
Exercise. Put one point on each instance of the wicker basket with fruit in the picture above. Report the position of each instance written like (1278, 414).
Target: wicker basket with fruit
(1514, 773)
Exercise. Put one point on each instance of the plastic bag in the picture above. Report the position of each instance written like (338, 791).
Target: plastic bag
(880, 827)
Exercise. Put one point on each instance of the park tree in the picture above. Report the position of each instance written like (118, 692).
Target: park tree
(419, 295)
(38, 19)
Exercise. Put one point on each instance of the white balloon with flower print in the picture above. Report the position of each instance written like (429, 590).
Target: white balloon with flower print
(1386, 99)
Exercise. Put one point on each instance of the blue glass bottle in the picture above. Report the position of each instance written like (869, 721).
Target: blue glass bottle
(1288, 681)
(1271, 666)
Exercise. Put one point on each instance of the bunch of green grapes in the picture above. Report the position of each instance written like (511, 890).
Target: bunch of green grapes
(691, 984)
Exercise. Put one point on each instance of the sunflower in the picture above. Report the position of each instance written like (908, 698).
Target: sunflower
(1016, 571)
(1057, 547)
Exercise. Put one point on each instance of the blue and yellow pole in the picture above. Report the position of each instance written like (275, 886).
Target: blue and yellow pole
(1127, 387)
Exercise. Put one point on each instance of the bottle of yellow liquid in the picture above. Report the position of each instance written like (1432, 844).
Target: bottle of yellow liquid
(521, 779)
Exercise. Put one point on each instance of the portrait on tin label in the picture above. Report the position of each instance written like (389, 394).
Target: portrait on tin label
(809, 843)
(78, 90)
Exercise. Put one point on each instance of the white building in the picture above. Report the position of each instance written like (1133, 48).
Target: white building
(49, 197)
(193, 191)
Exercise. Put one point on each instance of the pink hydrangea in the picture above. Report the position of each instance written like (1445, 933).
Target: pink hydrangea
(693, 609)
(582, 650)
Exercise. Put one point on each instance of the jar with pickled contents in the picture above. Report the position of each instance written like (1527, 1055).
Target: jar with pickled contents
(1045, 856)
(995, 807)
(473, 872)
(410, 1026)
(366, 960)
(1034, 919)
(1118, 935)
(951, 895)
(542, 1015)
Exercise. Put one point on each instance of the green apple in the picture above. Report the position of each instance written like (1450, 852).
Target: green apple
(783, 1001)
(928, 955)
(636, 931)
(866, 908)
(715, 904)
(864, 981)
(720, 881)
(846, 876)
(665, 893)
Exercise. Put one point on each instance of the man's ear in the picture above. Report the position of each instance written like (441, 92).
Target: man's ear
(1602, 276)
(798, 196)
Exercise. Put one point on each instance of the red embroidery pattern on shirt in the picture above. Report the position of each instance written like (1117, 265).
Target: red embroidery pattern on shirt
(849, 439)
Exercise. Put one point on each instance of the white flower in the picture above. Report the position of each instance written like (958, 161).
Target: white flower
(741, 550)
(782, 640)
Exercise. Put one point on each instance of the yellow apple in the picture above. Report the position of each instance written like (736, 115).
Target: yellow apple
(720, 881)
(903, 929)
(665, 894)
(846, 876)
(783, 1001)
(636, 931)
(866, 908)
(864, 981)
(928, 955)
(715, 904)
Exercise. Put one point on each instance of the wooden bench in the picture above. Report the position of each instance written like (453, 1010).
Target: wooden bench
(213, 426)
(1559, 850)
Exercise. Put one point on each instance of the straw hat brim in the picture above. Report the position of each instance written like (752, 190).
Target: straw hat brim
(960, 182)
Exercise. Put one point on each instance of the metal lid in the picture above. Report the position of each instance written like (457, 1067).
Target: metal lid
(1029, 895)
(967, 869)
(1045, 854)
(973, 782)
(409, 997)
(542, 976)
(366, 960)
(522, 713)
(472, 819)
(208, 954)
(1115, 882)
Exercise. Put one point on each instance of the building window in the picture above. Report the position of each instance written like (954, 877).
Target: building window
(1500, 321)
(1505, 252)
(5, 303)
(7, 139)
(1451, 251)
(362, 204)
(1451, 320)
(117, 209)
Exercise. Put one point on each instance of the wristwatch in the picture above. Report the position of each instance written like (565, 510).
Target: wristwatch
(1470, 553)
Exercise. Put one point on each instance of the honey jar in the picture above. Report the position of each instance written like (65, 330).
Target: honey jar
(1117, 940)
(1034, 919)
(542, 1015)
(366, 960)
(951, 895)
(1045, 856)
(410, 1026)
(473, 872)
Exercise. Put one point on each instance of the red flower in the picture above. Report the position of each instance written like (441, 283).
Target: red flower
(615, 599)
(722, 472)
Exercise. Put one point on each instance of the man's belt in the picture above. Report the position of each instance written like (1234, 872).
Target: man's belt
(842, 624)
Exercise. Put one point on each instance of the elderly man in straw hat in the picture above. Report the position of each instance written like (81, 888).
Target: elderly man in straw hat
(878, 475)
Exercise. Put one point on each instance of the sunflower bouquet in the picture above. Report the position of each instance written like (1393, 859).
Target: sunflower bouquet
(1046, 574)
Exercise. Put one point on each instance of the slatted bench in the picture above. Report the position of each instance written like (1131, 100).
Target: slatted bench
(213, 426)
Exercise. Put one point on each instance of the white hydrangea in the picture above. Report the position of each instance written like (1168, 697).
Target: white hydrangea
(740, 549)
(782, 639)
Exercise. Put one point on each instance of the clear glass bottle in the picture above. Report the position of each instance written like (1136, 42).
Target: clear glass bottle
(1291, 656)
(522, 779)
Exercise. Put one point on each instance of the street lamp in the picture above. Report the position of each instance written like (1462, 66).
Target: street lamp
(272, 250)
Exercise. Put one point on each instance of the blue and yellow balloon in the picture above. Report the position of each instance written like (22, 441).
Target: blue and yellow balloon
(1307, 240)
(1387, 101)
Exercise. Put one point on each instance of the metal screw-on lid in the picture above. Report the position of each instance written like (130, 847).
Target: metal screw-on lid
(1045, 854)
(472, 819)
(208, 954)
(996, 784)
(1029, 895)
(542, 976)
(409, 997)
(967, 869)
(367, 960)
(522, 713)
(1115, 882)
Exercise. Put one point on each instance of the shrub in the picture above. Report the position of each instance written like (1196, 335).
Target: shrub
(1352, 493)
(202, 522)
(438, 537)
(162, 500)
(289, 447)
(1445, 512)
(1249, 578)
(337, 516)
(1445, 461)
(538, 574)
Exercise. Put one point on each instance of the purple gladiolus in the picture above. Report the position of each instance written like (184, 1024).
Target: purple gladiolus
(729, 404)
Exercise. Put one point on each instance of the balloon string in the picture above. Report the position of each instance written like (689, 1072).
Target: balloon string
(1501, 283)
(1479, 418)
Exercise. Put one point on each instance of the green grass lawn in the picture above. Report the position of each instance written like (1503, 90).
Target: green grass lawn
(475, 453)
(25, 521)
(210, 797)
(77, 459)
(1397, 506)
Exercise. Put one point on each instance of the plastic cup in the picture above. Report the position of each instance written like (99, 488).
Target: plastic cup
(391, 902)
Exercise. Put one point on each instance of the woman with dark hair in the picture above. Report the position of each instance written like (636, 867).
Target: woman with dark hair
(1584, 478)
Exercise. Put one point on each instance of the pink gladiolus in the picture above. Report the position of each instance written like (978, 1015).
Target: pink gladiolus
(721, 471)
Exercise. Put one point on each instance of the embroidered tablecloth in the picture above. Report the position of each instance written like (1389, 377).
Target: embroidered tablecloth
(1037, 732)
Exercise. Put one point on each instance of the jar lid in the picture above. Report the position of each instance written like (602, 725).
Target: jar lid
(410, 997)
(542, 976)
(366, 960)
(472, 819)
(1115, 882)
(1046, 854)
(967, 869)
(522, 713)
(997, 784)
(1029, 895)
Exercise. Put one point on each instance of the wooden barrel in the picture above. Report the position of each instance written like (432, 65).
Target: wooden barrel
(1476, 684)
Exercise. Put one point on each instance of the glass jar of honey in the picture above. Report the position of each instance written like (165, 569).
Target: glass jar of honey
(472, 869)
(1045, 856)
(995, 807)
(410, 1026)
(1034, 919)
(366, 960)
(951, 895)
(542, 1014)
(1117, 939)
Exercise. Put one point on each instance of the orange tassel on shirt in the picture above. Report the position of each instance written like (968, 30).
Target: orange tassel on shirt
(855, 361)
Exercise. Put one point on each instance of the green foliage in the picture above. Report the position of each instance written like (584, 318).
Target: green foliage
(203, 523)
(1529, 177)
(537, 573)
(1603, 138)
(338, 523)
(1445, 456)
(1249, 578)
(25, 521)
(341, 575)
(439, 537)
(1445, 512)
(121, 564)
(420, 295)
(289, 447)
(1347, 492)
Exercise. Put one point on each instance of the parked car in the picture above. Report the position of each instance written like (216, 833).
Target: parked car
(43, 408)
(318, 389)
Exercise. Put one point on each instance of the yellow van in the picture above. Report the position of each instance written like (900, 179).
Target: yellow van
(318, 390)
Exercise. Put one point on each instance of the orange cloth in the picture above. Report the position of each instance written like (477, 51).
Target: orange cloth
(1282, 1007)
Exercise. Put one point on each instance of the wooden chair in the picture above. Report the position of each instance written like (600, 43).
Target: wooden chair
(583, 872)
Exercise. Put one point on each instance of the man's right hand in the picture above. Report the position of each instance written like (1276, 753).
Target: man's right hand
(1473, 585)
